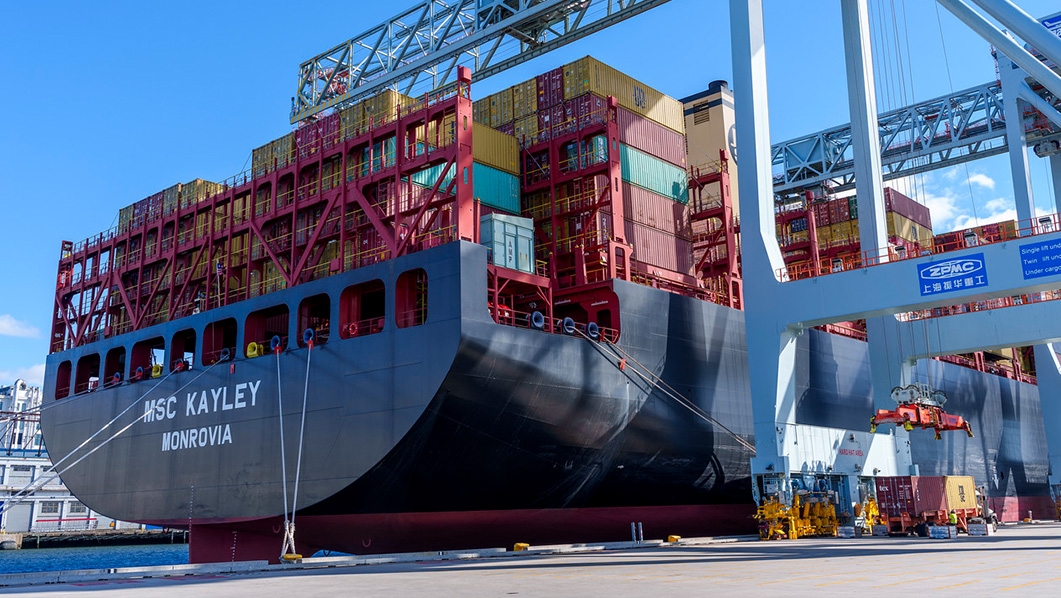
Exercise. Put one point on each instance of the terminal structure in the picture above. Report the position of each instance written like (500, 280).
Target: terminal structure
(779, 310)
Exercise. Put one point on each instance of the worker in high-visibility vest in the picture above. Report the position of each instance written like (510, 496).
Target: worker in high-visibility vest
(952, 519)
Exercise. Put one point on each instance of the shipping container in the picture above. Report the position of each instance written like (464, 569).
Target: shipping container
(524, 99)
(125, 219)
(656, 248)
(903, 227)
(550, 88)
(352, 120)
(383, 107)
(904, 206)
(651, 137)
(493, 187)
(278, 153)
(525, 129)
(588, 75)
(494, 148)
(821, 214)
(839, 210)
(654, 174)
(961, 492)
(654, 210)
(852, 207)
(510, 239)
(912, 495)
(171, 199)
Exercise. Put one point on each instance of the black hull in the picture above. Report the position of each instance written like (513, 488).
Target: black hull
(462, 421)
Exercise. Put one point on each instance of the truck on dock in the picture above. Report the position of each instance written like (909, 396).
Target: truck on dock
(908, 501)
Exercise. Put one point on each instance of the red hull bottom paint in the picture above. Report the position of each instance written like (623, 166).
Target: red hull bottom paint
(417, 532)
(1016, 508)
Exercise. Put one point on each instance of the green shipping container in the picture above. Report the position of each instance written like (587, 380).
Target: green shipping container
(852, 207)
(653, 174)
(495, 188)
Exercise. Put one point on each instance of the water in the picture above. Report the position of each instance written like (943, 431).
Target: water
(30, 560)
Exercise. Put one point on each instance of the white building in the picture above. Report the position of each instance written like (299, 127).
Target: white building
(20, 417)
(24, 460)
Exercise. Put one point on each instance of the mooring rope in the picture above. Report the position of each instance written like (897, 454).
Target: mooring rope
(33, 486)
(660, 384)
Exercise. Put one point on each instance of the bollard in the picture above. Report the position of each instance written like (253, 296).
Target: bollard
(633, 532)
(640, 533)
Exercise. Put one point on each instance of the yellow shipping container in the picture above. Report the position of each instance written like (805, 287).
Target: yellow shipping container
(506, 115)
(352, 119)
(843, 231)
(125, 218)
(526, 128)
(383, 107)
(903, 227)
(524, 99)
(961, 492)
(498, 110)
(262, 159)
(494, 148)
(481, 110)
(590, 75)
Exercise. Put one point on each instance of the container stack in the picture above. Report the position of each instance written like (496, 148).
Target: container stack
(177, 197)
(909, 224)
(574, 211)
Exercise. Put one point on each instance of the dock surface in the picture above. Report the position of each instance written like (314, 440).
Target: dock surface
(1020, 560)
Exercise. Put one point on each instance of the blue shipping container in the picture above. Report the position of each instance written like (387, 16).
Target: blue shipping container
(495, 188)
(653, 174)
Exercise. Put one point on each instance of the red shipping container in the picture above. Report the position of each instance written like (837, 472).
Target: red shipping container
(561, 120)
(550, 88)
(306, 137)
(839, 211)
(656, 211)
(913, 495)
(330, 128)
(821, 214)
(588, 109)
(904, 206)
(651, 137)
(545, 120)
(659, 249)
(508, 128)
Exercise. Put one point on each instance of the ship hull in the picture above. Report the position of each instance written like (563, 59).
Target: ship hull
(461, 433)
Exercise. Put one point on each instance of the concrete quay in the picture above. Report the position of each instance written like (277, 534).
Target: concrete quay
(1020, 560)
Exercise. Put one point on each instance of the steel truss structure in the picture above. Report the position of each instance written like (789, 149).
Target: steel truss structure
(343, 201)
(421, 48)
(944, 131)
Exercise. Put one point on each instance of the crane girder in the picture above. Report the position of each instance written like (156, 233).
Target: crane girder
(420, 49)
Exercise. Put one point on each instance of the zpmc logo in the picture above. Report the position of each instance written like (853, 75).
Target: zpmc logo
(952, 268)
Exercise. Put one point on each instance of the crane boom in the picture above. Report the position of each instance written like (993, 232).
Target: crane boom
(421, 48)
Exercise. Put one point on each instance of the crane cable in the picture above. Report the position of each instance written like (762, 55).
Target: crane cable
(660, 384)
(288, 552)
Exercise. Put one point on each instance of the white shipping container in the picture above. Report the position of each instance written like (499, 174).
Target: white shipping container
(510, 239)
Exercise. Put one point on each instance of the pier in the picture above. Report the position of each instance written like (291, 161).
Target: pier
(103, 537)
(1019, 558)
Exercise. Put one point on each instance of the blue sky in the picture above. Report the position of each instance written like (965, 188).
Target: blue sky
(106, 102)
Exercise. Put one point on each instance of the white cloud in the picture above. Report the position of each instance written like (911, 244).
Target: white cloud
(9, 326)
(983, 180)
(33, 375)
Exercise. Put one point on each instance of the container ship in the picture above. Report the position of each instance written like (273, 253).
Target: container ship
(431, 323)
